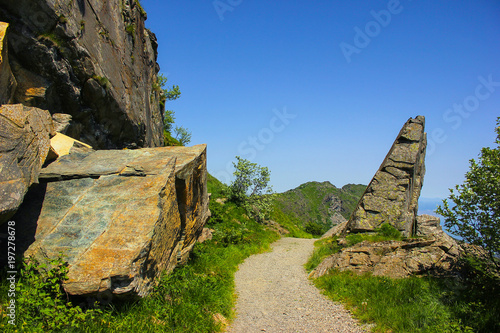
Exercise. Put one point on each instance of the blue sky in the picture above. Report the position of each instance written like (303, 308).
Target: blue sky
(318, 90)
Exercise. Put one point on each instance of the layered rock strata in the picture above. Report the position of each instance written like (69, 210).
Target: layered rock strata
(25, 134)
(433, 253)
(120, 217)
(392, 195)
(93, 60)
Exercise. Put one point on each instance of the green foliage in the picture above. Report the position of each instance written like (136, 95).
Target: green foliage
(182, 135)
(250, 188)
(322, 249)
(103, 81)
(62, 19)
(289, 222)
(311, 202)
(141, 9)
(475, 214)
(315, 229)
(468, 303)
(130, 29)
(386, 232)
(41, 304)
(168, 120)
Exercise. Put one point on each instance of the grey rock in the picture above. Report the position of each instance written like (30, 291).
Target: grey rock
(392, 195)
(61, 122)
(24, 144)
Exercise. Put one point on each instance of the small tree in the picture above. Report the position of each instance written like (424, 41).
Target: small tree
(475, 215)
(182, 135)
(250, 188)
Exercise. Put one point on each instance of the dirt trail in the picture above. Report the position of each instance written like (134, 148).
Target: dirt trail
(275, 295)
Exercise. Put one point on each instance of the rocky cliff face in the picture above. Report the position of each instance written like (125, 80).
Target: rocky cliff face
(91, 59)
(392, 195)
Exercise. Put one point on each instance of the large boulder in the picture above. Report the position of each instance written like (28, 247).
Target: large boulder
(92, 59)
(120, 217)
(392, 195)
(24, 144)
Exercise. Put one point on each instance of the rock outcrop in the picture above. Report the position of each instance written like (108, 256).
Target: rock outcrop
(433, 253)
(93, 60)
(121, 217)
(392, 195)
(24, 144)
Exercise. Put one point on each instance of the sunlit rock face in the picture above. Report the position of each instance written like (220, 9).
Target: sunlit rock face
(392, 195)
(121, 217)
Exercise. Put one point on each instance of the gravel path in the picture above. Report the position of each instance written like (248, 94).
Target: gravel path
(275, 295)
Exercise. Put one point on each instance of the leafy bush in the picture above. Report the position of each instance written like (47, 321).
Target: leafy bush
(250, 189)
(475, 214)
(42, 305)
(314, 228)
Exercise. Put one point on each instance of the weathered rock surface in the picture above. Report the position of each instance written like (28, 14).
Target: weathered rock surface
(92, 59)
(392, 195)
(120, 217)
(24, 143)
(7, 80)
(435, 252)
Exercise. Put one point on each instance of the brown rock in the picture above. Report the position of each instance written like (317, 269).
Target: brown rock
(436, 252)
(24, 144)
(392, 195)
(121, 217)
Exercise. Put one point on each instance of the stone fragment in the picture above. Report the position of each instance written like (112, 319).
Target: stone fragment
(392, 195)
(121, 217)
(62, 144)
(24, 144)
(62, 122)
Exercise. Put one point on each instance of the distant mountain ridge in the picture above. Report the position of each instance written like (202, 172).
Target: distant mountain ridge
(319, 202)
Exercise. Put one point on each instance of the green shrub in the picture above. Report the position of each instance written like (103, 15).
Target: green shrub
(42, 305)
(314, 228)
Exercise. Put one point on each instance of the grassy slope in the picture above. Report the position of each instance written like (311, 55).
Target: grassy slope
(309, 203)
